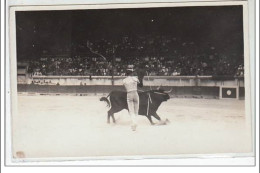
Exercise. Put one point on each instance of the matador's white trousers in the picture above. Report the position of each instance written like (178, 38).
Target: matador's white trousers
(133, 105)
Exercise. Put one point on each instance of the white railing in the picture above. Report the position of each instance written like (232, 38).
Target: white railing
(148, 80)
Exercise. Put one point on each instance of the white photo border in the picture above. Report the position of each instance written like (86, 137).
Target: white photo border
(11, 99)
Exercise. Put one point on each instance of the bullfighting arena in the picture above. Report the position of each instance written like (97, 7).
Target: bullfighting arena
(75, 126)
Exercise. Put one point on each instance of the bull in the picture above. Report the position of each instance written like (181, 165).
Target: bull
(149, 102)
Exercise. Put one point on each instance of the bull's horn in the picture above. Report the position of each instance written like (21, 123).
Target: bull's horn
(168, 91)
(159, 87)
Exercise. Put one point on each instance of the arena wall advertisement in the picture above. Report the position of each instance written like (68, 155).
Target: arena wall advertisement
(130, 81)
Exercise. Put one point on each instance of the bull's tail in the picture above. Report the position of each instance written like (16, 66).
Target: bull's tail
(106, 100)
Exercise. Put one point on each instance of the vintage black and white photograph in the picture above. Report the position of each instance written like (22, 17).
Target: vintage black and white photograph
(130, 81)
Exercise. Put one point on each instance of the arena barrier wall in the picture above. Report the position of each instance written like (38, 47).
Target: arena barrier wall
(183, 86)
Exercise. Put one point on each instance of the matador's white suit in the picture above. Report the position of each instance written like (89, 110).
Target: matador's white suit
(130, 84)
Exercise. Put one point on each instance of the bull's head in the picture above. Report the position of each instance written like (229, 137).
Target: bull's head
(162, 95)
(159, 88)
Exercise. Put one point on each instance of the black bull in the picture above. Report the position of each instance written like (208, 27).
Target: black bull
(149, 102)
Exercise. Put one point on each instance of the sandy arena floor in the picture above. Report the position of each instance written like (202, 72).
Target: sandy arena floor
(74, 126)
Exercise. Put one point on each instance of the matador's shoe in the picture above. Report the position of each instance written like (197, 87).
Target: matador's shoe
(133, 127)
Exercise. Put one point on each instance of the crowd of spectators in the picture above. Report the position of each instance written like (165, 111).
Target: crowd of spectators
(160, 56)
